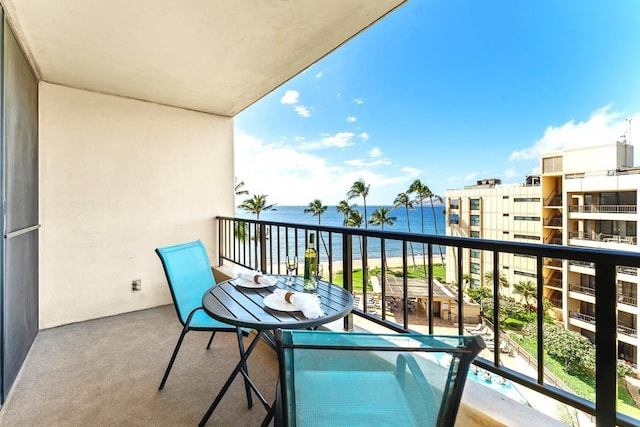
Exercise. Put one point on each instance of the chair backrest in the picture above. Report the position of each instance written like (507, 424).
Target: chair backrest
(188, 273)
(349, 378)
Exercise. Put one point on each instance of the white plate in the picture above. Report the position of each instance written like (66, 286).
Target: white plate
(273, 302)
(244, 283)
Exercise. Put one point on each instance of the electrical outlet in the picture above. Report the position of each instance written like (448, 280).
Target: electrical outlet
(136, 285)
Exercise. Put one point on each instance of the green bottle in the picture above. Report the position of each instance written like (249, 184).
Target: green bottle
(310, 259)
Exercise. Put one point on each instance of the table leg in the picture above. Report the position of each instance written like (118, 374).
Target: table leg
(239, 369)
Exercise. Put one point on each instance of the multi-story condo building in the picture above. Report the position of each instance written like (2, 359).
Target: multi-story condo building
(584, 197)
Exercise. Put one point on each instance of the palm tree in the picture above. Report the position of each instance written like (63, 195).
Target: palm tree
(316, 208)
(404, 199)
(355, 220)
(256, 204)
(526, 289)
(381, 217)
(420, 190)
(238, 187)
(360, 189)
(240, 227)
(502, 280)
(345, 209)
(432, 196)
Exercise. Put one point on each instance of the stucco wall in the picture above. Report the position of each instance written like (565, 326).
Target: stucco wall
(118, 178)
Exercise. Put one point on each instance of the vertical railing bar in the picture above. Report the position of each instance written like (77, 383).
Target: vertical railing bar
(460, 294)
(296, 252)
(405, 269)
(496, 309)
(405, 292)
(383, 290)
(365, 268)
(430, 286)
(279, 253)
(540, 319)
(606, 352)
(330, 260)
(347, 274)
(220, 241)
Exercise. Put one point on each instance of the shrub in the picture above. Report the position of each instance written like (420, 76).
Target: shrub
(513, 324)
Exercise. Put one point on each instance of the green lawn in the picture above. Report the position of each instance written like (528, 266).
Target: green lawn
(418, 272)
(583, 387)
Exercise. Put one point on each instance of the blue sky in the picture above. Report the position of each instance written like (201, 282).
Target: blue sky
(447, 92)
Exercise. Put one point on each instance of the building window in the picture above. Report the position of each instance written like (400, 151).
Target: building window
(505, 197)
(475, 283)
(505, 214)
(504, 233)
(524, 273)
(526, 199)
(475, 220)
(454, 219)
(475, 204)
(454, 203)
(526, 218)
(524, 256)
(475, 234)
(526, 237)
(475, 268)
(475, 253)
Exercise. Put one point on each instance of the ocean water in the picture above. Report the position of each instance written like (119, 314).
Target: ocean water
(295, 214)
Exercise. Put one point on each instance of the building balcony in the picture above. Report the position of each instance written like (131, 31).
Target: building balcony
(618, 209)
(603, 237)
(586, 290)
(366, 250)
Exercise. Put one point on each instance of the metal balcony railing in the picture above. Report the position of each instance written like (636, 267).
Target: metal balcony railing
(631, 332)
(584, 317)
(603, 237)
(623, 209)
(263, 245)
(582, 264)
(583, 289)
(627, 299)
(632, 271)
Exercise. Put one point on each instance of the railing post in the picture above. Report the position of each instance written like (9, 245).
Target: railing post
(263, 248)
(606, 351)
(347, 274)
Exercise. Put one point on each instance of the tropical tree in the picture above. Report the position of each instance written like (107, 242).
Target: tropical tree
(526, 290)
(316, 208)
(256, 205)
(502, 280)
(404, 199)
(420, 191)
(240, 228)
(355, 220)
(238, 187)
(360, 189)
(432, 196)
(381, 217)
(345, 209)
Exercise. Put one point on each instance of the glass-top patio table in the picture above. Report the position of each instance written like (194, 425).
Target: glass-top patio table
(244, 307)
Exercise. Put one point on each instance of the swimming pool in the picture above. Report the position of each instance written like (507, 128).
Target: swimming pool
(497, 383)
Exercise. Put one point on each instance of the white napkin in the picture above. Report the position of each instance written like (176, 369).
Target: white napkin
(308, 304)
(259, 278)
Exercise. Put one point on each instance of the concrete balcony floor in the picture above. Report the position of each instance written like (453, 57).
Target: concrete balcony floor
(106, 372)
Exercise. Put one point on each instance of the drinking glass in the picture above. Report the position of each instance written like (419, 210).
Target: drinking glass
(317, 273)
(291, 264)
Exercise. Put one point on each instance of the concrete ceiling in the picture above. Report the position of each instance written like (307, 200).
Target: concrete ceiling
(216, 56)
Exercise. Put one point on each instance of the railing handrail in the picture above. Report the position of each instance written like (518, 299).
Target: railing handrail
(605, 261)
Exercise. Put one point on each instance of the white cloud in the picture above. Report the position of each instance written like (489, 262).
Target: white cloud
(375, 152)
(339, 140)
(470, 177)
(510, 173)
(302, 110)
(318, 74)
(364, 136)
(290, 97)
(358, 101)
(287, 175)
(603, 127)
(351, 119)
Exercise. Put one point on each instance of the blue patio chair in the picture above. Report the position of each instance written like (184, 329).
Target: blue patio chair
(361, 379)
(189, 276)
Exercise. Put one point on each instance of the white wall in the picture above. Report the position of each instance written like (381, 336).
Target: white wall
(118, 178)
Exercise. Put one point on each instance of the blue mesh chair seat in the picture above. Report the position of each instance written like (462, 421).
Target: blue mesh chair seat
(361, 379)
(189, 276)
